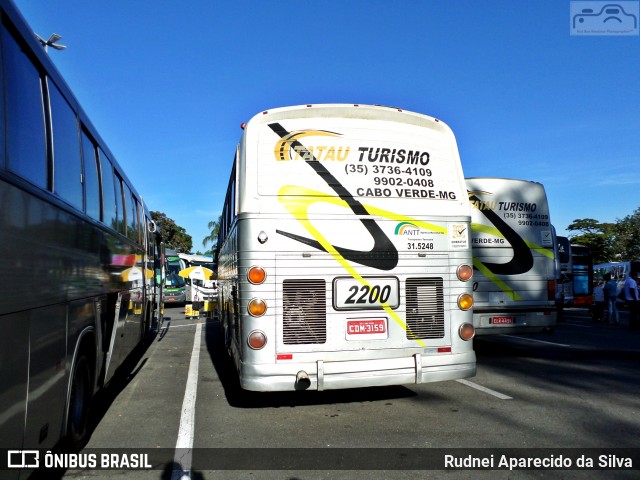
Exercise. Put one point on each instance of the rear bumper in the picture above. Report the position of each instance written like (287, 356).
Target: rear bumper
(524, 321)
(359, 373)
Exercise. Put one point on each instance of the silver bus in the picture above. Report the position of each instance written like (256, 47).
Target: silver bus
(343, 254)
(79, 289)
(514, 257)
(199, 290)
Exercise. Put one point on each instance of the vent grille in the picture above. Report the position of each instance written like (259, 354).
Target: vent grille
(425, 308)
(304, 311)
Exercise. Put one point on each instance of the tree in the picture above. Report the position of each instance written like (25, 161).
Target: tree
(609, 242)
(599, 237)
(174, 236)
(214, 226)
(627, 237)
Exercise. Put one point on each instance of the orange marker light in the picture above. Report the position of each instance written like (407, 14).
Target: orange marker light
(465, 301)
(257, 307)
(256, 275)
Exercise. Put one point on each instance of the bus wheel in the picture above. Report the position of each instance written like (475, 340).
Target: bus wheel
(78, 417)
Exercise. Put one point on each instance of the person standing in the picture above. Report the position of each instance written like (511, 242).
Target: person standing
(633, 299)
(610, 297)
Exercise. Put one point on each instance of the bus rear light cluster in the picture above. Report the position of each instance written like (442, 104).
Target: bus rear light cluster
(256, 275)
(257, 307)
(465, 301)
(464, 272)
(466, 331)
(257, 339)
(551, 289)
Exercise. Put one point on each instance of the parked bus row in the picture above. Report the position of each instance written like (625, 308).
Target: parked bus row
(80, 290)
(179, 290)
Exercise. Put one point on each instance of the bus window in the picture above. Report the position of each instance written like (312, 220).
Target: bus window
(26, 144)
(121, 222)
(91, 178)
(108, 191)
(67, 165)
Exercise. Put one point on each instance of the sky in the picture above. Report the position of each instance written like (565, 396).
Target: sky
(168, 83)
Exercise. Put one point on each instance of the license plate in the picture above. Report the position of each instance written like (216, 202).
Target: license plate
(502, 320)
(170, 299)
(367, 329)
(351, 294)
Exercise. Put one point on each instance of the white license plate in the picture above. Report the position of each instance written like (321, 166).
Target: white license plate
(367, 329)
(502, 320)
(351, 294)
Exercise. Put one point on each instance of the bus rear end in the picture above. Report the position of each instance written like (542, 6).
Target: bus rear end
(513, 256)
(352, 250)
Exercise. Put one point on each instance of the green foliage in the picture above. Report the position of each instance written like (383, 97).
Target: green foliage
(174, 236)
(212, 239)
(628, 237)
(609, 242)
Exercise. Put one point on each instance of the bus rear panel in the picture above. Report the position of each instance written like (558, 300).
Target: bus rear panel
(513, 256)
(342, 263)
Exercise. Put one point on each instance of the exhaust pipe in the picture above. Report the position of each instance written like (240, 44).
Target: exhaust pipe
(302, 380)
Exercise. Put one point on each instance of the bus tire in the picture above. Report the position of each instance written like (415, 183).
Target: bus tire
(79, 403)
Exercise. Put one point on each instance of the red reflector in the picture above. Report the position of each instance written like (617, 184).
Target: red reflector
(284, 356)
(444, 349)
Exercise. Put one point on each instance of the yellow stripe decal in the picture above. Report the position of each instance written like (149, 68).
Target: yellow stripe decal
(480, 228)
(297, 201)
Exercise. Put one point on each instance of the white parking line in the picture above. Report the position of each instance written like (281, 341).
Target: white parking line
(499, 395)
(184, 325)
(184, 445)
(538, 341)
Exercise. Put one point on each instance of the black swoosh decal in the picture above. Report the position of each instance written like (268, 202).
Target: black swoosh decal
(383, 255)
(522, 260)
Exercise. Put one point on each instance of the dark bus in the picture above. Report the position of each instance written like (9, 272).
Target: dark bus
(79, 289)
(566, 270)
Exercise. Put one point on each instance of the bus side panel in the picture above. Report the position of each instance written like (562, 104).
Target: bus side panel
(47, 376)
(14, 364)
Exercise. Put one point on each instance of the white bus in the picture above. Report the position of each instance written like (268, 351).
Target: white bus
(619, 272)
(198, 290)
(343, 255)
(79, 289)
(513, 256)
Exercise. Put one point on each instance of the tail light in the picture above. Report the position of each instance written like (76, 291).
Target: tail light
(464, 272)
(257, 339)
(551, 289)
(466, 331)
